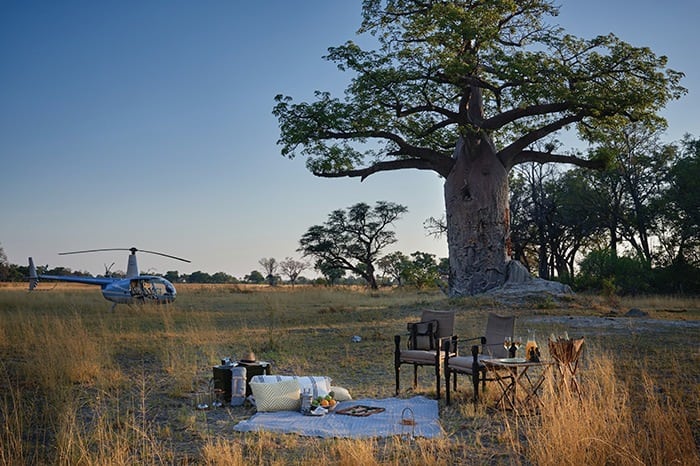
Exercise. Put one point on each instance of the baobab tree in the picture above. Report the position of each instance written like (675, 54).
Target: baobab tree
(469, 90)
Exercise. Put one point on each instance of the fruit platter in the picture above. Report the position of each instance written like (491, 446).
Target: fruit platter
(323, 405)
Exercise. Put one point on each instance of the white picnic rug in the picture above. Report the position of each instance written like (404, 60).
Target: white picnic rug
(332, 425)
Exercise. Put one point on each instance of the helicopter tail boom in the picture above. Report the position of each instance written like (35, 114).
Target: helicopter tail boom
(34, 278)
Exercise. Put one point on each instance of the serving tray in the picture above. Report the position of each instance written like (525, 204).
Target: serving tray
(359, 410)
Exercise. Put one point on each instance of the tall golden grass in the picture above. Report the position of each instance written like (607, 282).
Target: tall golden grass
(82, 385)
(641, 421)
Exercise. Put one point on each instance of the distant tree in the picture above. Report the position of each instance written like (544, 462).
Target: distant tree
(393, 266)
(603, 270)
(435, 227)
(254, 277)
(222, 277)
(539, 209)
(172, 276)
(421, 270)
(523, 238)
(292, 269)
(330, 272)
(681, 207)
(574, 225)
(270, 266)
(636, 179)
(353, 240)
(199, 277)
(4, 266)
(467, 89)
(302, 280)
(17, 273)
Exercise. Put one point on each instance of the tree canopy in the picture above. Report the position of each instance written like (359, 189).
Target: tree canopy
(353, 239)
(450, 67)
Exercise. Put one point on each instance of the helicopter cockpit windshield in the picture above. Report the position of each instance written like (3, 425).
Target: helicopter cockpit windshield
(155, 288)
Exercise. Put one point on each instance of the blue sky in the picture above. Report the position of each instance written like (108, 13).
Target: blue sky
(149, 124)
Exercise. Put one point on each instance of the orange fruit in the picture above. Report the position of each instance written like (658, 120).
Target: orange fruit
(324, 403)
(332, 402)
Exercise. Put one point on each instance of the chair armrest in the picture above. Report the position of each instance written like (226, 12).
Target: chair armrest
(449, 344)
(481, 340)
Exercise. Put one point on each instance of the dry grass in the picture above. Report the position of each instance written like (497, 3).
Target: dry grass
(83, 385)
(612, 422)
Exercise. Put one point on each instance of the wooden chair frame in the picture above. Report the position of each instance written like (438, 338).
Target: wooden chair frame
(491, 343)
(430, 353)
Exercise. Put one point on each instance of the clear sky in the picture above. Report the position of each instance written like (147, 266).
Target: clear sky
(149, 124)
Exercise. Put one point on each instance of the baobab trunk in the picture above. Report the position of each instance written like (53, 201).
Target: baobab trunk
(478, 218)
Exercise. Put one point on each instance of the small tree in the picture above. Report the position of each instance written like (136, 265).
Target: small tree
(4, 266)
(421, 270)
(270, 265)
(292, 269)
(331, 273)
(199, 277)
(353, 240)
(393, 265)
(635, 181)
(222, 277)
(254, 277)
(681, 207)
(604, 270)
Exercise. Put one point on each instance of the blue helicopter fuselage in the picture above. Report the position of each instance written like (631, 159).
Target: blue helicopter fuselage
(134, 290)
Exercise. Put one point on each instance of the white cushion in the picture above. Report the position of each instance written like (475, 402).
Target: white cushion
(341, 394)
(319, 386)
(420, 356)
(276, 396)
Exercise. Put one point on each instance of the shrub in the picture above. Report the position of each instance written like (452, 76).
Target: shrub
(602, 270)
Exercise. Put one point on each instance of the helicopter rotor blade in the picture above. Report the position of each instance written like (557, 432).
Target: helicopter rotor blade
(93, 250)
(165, 255)
(133, 251)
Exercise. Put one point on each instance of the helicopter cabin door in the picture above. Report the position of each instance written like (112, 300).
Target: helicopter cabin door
(150, 289)
(136, 288)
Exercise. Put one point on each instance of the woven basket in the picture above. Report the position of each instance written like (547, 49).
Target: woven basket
(566, 351)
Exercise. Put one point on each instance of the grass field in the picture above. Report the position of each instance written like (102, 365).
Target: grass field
(83, 385)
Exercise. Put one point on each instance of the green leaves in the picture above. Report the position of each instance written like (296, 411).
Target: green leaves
(409, 98)
(353, 239)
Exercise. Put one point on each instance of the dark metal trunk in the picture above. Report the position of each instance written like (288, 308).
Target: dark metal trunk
(478, 218)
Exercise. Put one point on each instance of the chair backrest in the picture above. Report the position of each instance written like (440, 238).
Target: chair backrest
(423, 335)
(497, 329)
(446, 321)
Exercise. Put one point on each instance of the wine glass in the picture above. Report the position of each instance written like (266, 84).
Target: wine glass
(518, 342)
(507, 343)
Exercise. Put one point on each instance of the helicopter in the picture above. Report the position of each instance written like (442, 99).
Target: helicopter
(133, 289)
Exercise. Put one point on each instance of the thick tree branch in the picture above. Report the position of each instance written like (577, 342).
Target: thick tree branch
(509, 153)
(546, 157)
(432, 157)
(363, 173)
(502, 119)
